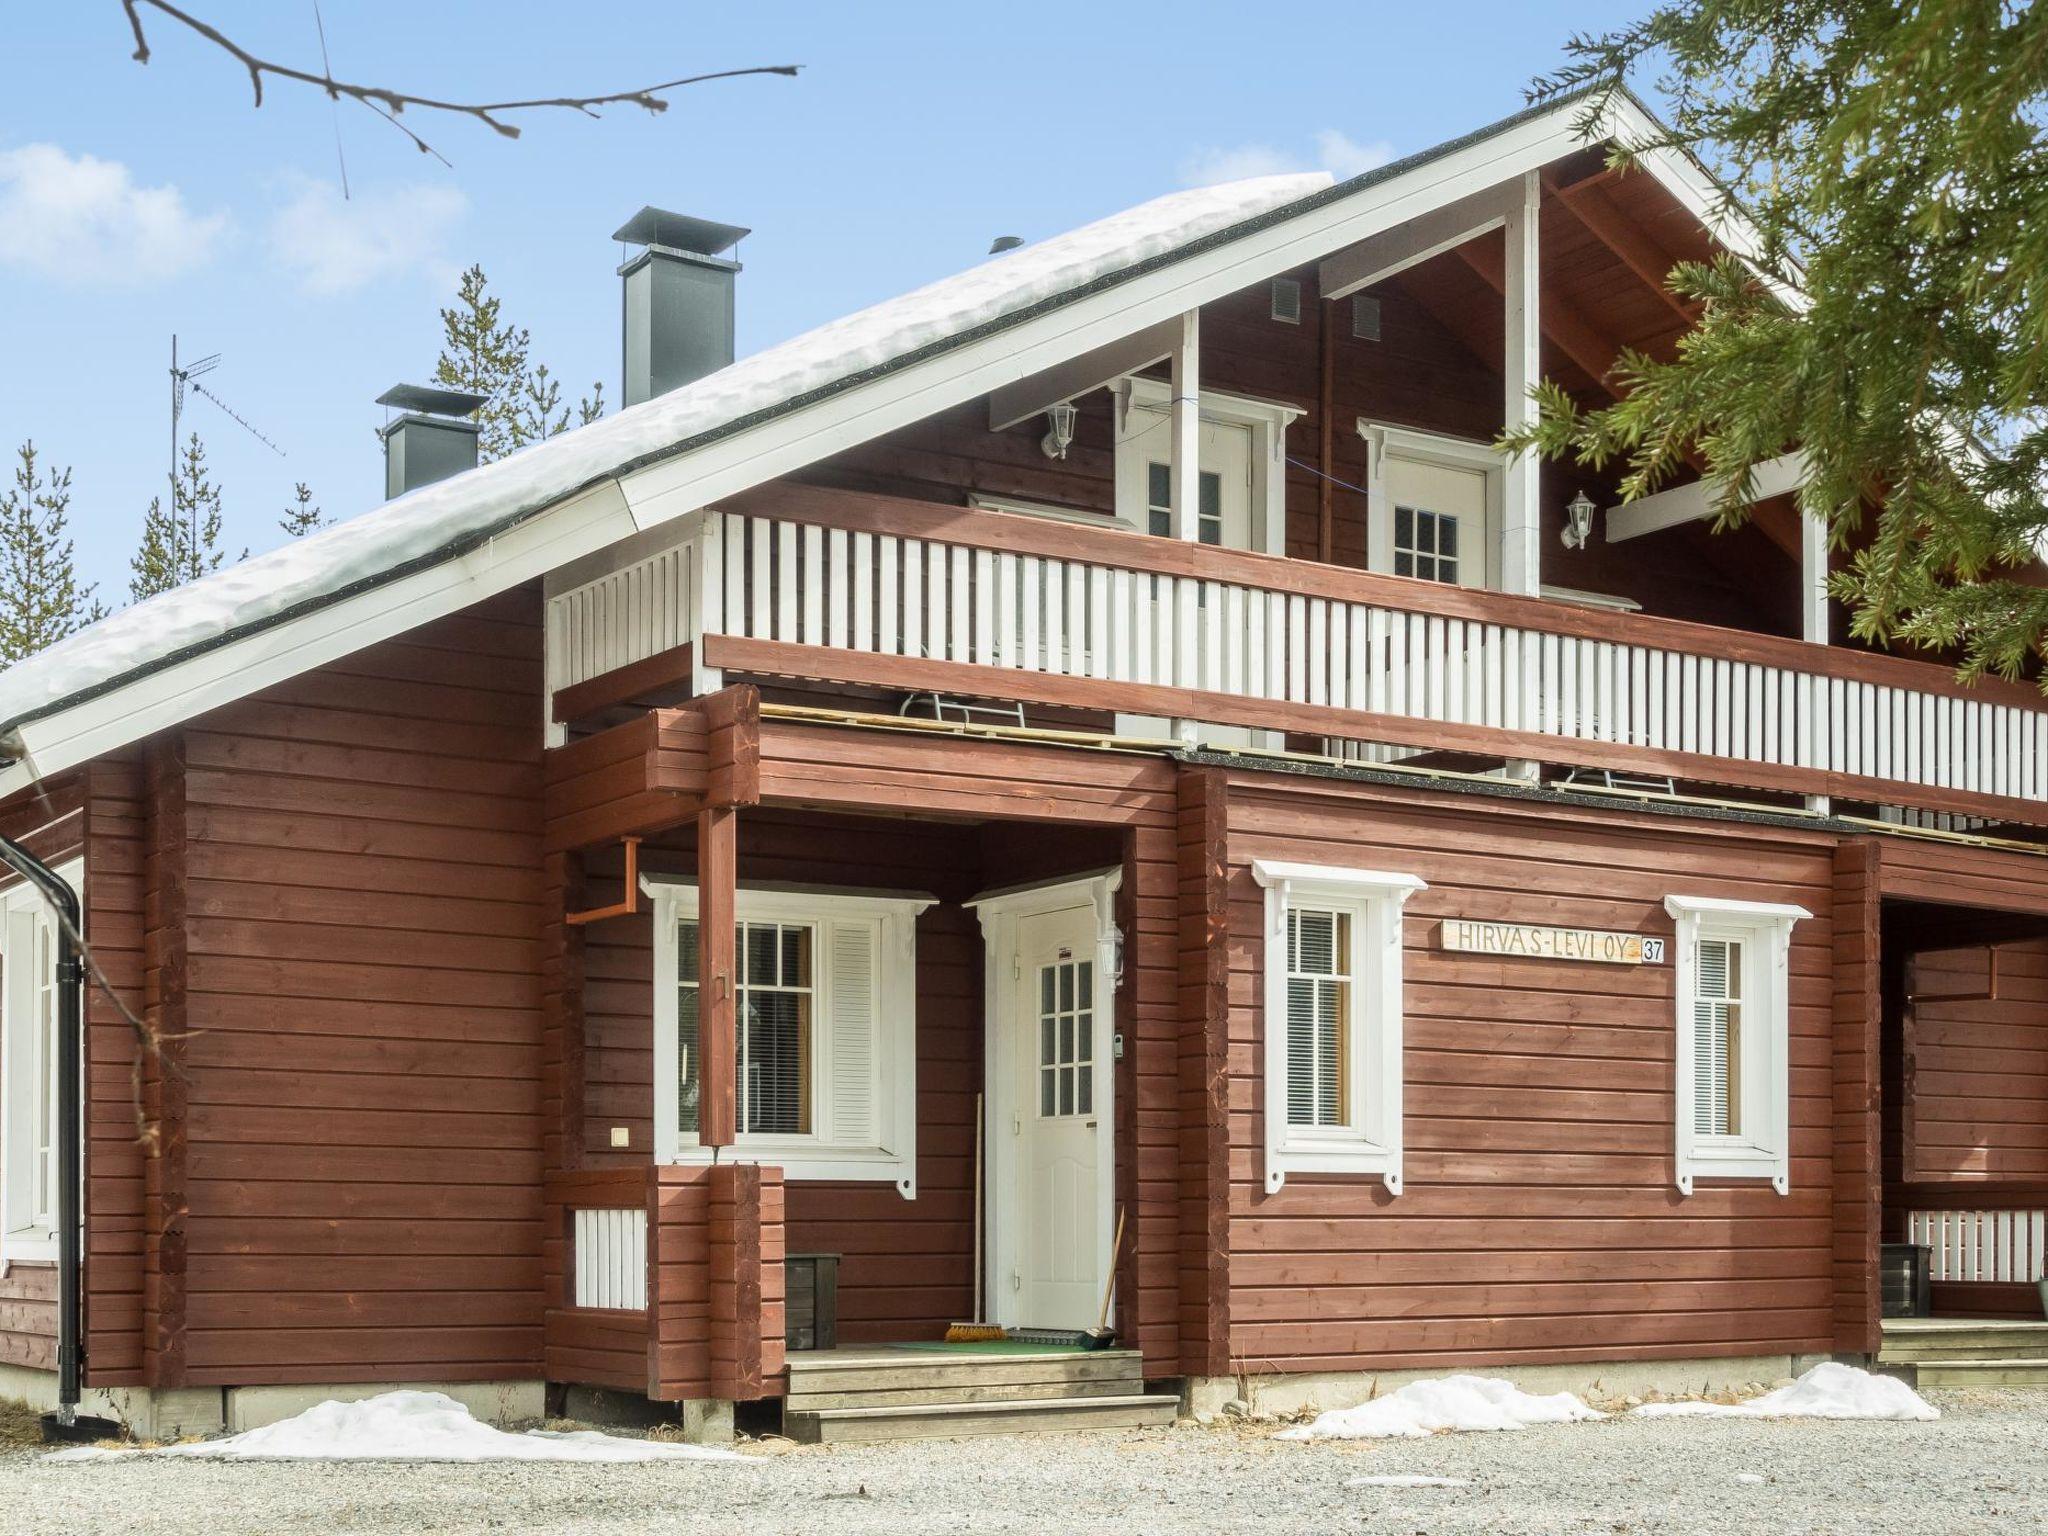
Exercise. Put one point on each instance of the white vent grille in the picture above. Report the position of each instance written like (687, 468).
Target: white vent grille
(1287, 300)
(1365, 317)
(611, 1260)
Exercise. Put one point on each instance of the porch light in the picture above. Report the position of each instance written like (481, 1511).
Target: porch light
(1060, 422)
(1578, 526)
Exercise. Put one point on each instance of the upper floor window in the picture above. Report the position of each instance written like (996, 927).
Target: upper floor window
(1433, 505)
(1426, 544)
(1333, 1020)
(825, 1026)
(1159, 502)
(1733, 1084)
(29, 1111)
(1241, 490)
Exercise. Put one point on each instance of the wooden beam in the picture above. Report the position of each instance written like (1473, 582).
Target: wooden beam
(1379, 257)
(717, 1011)
(1184, 410)
(1590, 204)
(1577, 339)
(1691, 502)
(1024, 399)
(631, 684)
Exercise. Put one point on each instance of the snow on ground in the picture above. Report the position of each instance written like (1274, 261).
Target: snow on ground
(428, 520)
(1453, 1403)
(1828, 1391)
(407, 1426)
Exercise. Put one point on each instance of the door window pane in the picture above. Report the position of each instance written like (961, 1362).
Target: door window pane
(1425, 544)
(1066, 1036)
(1208, 503)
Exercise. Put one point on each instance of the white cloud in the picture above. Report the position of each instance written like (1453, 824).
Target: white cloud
(337, 245)
(78, 218)
(1335, 152)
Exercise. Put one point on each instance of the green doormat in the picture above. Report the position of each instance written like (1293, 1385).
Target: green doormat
(994, 1347)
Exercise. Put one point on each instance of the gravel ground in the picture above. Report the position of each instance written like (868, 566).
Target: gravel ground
(1982, 1467)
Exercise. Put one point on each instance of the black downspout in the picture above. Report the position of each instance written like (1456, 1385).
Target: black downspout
(70, 1115)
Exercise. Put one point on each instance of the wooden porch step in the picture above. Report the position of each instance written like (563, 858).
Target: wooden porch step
(945, 1421)
(1980, 1373)
(901, 1378)
(1913, 1340)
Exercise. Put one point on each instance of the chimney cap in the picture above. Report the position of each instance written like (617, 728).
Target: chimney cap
(435, 402)
(657, 226)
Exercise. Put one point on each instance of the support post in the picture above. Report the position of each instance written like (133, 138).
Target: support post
(1813, 602)
(1521, 524)
(1521, 565)
(1186, 416)
(717, 1042)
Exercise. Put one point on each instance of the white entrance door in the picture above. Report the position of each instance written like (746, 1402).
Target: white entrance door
(1058, 1106)
(1439, 523)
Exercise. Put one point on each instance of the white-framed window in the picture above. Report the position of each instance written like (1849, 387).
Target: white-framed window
(1732, 983)
(29, 1108)
(825, 1019)
(1332, 1020)
(1433, 505)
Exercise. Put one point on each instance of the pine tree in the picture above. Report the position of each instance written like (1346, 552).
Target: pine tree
(486, 355)
(1891, 321)
(301, 517)
(182, 544)
(41, 600)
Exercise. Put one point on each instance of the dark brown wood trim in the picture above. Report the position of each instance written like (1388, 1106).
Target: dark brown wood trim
(913, 674)
(1858, 1172)
(1204, 924)
(166, 975)
(663, 671)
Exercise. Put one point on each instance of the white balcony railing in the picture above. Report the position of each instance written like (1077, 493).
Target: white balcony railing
(1151, 626)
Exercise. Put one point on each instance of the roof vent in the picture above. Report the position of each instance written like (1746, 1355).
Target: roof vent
(1005, 243)
(678, 300)
(1287, 300)
(432, 439)
(1365, 317)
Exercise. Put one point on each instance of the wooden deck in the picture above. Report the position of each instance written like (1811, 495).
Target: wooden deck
(1966, 1352)
(901, 1392)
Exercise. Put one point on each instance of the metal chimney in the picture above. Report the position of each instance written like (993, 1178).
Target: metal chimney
(678, 300)
(431, 440)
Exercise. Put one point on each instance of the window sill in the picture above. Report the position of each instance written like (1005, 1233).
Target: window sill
(808, 1161)
(1359, 1159)
(1739, 1160)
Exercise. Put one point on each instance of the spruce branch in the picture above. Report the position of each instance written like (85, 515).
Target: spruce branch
(391, 104)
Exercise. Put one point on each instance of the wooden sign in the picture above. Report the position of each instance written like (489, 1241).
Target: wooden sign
(1530, 941)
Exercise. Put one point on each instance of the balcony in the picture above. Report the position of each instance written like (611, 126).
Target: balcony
(869, 591)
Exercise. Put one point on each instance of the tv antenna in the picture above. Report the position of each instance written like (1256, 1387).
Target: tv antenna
(186, 377)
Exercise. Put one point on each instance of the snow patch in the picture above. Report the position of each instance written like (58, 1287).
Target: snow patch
(1753, 1479)
(1453, 1403)
(407, 1426)
(425, 522)
(1828, 1391)
(1406, 1480)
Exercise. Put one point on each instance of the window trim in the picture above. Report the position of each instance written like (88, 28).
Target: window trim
(1372, 1143)
(1383, 439)
(26, 1243)
(893, 1154)
(1764, 1149)
(1268, 421)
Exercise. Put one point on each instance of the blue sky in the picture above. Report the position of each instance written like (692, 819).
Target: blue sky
(137, 201)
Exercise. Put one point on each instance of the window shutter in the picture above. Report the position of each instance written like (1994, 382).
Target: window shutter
(854, 1085)
(1711, 1020)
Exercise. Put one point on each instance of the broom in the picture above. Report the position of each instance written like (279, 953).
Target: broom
(979, 1332)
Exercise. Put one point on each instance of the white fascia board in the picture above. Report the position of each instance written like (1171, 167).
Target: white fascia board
(160, 699)
(1692, 502)
(659, 493)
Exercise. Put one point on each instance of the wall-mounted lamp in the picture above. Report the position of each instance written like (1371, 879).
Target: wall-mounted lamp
(1060, 424)
(1578, 525)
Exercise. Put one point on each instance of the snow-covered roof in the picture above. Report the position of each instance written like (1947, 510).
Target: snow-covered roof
(440, 520)
(434, 551)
